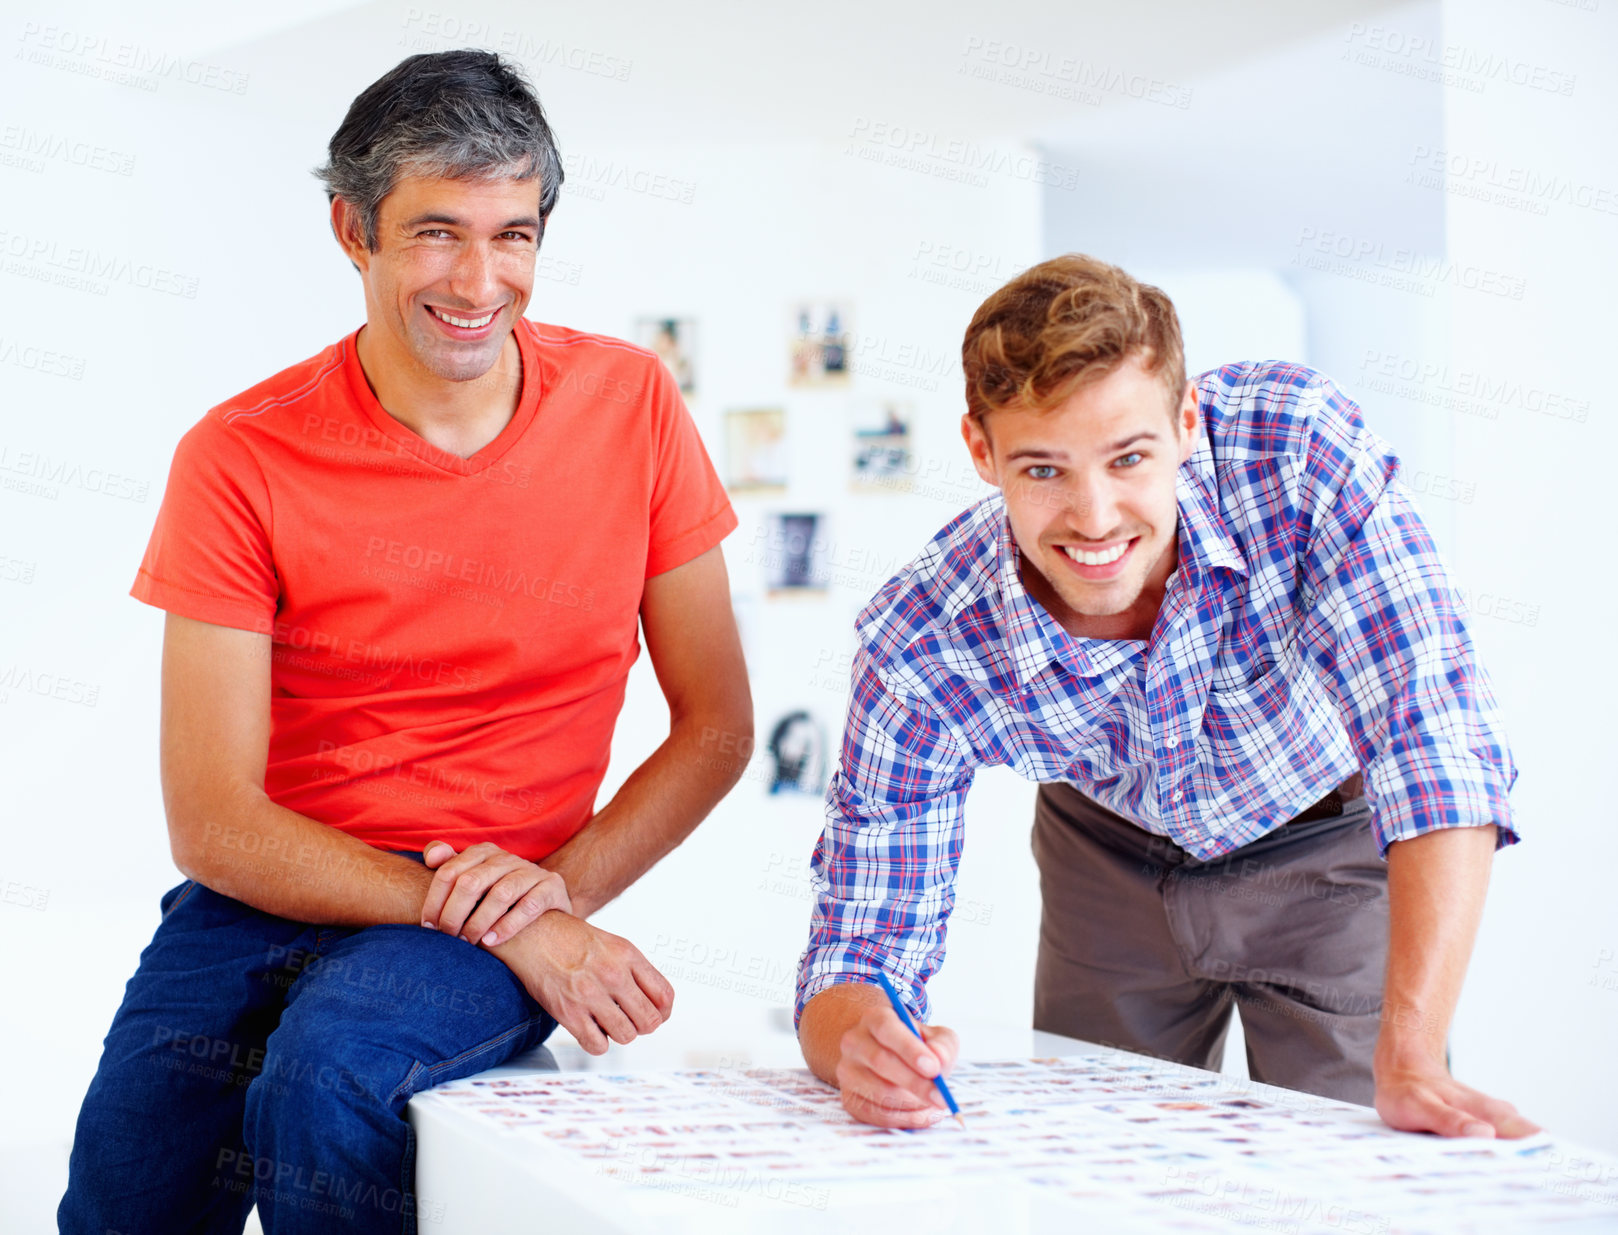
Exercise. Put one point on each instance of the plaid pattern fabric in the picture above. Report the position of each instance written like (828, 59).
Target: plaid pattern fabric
(1309, 630)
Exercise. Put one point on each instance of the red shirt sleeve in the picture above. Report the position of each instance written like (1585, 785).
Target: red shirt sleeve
(209, 556)
(691, 512)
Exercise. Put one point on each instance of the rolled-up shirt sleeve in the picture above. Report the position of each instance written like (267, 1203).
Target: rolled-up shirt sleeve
(884, 868)
(1388, 631)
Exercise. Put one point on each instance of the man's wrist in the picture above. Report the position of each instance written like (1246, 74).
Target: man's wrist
(1410, 1039)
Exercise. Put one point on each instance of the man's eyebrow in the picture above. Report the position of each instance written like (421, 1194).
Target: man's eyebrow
(1060, 456)
(1131, 440)
(526, 220)
(1037, 452)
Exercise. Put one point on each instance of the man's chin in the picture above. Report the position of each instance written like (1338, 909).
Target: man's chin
(462, 367)
(1100, 602)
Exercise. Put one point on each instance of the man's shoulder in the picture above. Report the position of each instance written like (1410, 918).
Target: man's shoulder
(922, 604)
(571, 349)
(1266, 408)
(272, 405)
(296, 386)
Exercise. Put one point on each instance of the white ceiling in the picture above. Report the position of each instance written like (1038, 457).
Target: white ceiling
(719, 71)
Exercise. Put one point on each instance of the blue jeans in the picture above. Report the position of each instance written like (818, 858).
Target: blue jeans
(256, 1059)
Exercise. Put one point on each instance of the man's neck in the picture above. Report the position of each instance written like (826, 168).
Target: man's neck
(1136, 622)
(460, 418)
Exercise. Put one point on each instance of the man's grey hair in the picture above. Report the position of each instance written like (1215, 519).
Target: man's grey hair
(457, 115)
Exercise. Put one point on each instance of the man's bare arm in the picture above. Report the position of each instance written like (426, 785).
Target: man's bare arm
(695, 649)
(1436, 886)
(224, 831)
(227, 835)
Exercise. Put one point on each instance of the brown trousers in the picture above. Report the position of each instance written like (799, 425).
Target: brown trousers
(1144, 947)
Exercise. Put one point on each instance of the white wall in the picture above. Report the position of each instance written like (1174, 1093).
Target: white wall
(726, 915)
(1450, 241)
(1532, 195)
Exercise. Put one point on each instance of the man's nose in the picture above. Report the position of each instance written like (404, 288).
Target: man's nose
(1088, 508)
(472, 278)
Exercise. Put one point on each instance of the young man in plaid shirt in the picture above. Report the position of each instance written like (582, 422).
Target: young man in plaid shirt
(1208, 617)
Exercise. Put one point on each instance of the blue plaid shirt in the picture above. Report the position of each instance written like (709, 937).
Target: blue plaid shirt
(1309, 630)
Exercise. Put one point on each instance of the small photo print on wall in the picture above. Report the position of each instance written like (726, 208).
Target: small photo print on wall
(794, 554)
(880, 439)
(797, 753)
(821, 336)
(756, 449)
(674, 339)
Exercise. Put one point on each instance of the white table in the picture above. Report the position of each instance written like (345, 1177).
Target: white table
(468, 1183)
(475, 1176)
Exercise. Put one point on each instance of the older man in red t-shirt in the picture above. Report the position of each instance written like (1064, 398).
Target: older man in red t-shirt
(403, 581)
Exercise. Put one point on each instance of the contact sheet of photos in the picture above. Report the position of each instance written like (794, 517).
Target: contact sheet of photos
(1141, 1143)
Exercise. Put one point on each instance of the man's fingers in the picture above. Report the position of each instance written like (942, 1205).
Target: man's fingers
(612, 1020)
(470, 888)
(538, 902)
(656, 987)
(438, 892)
(896, 1073)
(586, 1033)
(498, 913)
(1443, 1105)
(1499, 1114)
(437, 851)
(1514, 1126)
(640, 1010)
(1425, 1110)
(869, 1101)
(943, 1043)
(890, 1032)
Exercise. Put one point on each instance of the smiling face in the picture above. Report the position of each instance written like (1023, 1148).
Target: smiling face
(453, 271)
(1089, 490)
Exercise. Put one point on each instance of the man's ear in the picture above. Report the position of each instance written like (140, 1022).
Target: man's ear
(345, 226)
(1188, 419)
(978, 446)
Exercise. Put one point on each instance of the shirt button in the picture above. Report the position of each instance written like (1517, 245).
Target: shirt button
(1173, 742)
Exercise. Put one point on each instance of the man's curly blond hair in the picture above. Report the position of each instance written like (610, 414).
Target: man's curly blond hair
(1061, 325)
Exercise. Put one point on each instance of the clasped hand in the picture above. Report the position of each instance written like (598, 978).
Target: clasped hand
(486, 895)
(596, 984)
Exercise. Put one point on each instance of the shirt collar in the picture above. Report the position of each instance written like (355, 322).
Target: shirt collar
(1204, 542)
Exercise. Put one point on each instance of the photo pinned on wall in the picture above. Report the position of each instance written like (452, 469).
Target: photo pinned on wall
(797, 752)
(821, 339)
(756, 449)
(882, 455)
(794, 553)
(674, 339)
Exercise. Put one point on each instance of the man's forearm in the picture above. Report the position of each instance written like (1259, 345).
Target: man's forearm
(1436, 888)
(657, 807)
(287, 864)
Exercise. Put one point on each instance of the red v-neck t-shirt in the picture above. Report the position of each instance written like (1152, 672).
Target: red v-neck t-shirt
(449, 637)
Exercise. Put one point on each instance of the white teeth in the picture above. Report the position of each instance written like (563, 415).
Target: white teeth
(1095, 559)
(471, 323)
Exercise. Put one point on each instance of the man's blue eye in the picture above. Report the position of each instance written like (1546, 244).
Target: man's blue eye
(1129, 460)
(1041, 471)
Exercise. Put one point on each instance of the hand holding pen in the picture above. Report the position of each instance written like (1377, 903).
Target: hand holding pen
(903, 1014)
(885, 1069)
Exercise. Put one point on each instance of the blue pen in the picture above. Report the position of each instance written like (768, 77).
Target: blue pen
(904, 1015)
